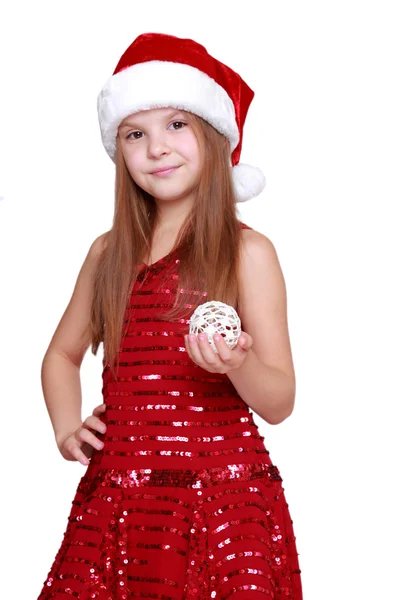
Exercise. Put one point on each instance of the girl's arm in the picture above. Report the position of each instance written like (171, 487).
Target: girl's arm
(266, 379)
(60, 373)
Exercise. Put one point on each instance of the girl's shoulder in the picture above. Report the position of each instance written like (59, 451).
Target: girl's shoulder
(256, 243)
(99, 244)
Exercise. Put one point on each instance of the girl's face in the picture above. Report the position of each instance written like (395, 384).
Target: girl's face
(156, 139)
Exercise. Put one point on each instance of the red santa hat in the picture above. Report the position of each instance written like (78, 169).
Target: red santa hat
(159, 70)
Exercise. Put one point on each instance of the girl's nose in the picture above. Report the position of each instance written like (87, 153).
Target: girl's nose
(157, 147)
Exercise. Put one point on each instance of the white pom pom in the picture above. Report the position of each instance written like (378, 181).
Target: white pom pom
(216, 317)
(248, 181)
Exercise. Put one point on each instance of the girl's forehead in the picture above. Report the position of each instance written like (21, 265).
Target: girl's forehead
(152, 114)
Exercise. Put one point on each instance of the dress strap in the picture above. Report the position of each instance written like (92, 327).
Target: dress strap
(244, 226)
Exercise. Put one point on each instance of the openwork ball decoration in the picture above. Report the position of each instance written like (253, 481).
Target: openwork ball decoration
(216, 317)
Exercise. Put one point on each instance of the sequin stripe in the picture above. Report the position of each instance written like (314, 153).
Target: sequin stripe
(152, 423)
(165, 377)
(251, 587)
(244, 554)
(160, 528)
(166, 276)
(150, 333)
(233, 522)
(258, 477)
(155, 319)
(158, 580)
(158, 511)
(151, 595)
(186, 453)
(177, 407)
(184, 393)
(223, 404)
(161, 347)
(234, 505)
(168, 291)
(181, 438)
(142, 545)
(154, 305)
(152, 362)
(147, 496)
(184, 478)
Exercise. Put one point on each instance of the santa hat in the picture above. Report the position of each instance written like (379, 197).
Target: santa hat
(159, 70)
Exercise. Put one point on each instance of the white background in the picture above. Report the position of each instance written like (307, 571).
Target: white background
(324, 127)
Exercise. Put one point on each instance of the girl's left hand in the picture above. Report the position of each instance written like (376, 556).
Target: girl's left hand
(201, 352)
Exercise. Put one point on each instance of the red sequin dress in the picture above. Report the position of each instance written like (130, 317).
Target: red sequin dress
(183, 501)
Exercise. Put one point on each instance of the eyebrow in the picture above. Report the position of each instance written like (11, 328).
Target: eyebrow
(167, 116)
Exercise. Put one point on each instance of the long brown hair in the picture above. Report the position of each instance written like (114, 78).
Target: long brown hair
(209, 243)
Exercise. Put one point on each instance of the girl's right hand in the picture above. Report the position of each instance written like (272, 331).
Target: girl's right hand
(79, 444)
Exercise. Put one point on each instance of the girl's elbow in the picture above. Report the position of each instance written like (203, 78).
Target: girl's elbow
(282, 415)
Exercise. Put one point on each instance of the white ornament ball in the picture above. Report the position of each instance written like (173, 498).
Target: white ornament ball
(216, 317)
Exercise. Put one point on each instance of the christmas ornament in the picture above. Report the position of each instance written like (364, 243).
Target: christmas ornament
(216, 317)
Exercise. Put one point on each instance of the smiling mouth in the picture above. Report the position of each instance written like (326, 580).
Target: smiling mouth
(165, 171)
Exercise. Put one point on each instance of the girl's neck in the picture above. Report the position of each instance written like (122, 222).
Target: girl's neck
(171, 216)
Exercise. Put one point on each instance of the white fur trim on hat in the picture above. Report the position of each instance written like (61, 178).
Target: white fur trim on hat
(159, 84)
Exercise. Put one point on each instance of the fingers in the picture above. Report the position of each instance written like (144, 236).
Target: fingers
(206, 351)
(87, 436)
(71, 450)
(224, 351)
(95, 423)
(245, 341)
(99, 410)
(200, 351)
(193, 348)
(79, 444)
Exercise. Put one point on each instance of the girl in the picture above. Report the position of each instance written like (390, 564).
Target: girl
(180, 498)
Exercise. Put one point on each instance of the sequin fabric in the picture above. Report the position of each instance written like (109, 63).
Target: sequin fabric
(183, 501)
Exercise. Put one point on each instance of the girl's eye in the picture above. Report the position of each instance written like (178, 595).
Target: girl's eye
(132, 133)
(180, 122)
(139, 132)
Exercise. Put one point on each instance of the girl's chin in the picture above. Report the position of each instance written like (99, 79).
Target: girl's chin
(169, 197)
(167, 192)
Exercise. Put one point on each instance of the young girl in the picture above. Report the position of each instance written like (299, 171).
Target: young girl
(180, 499)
